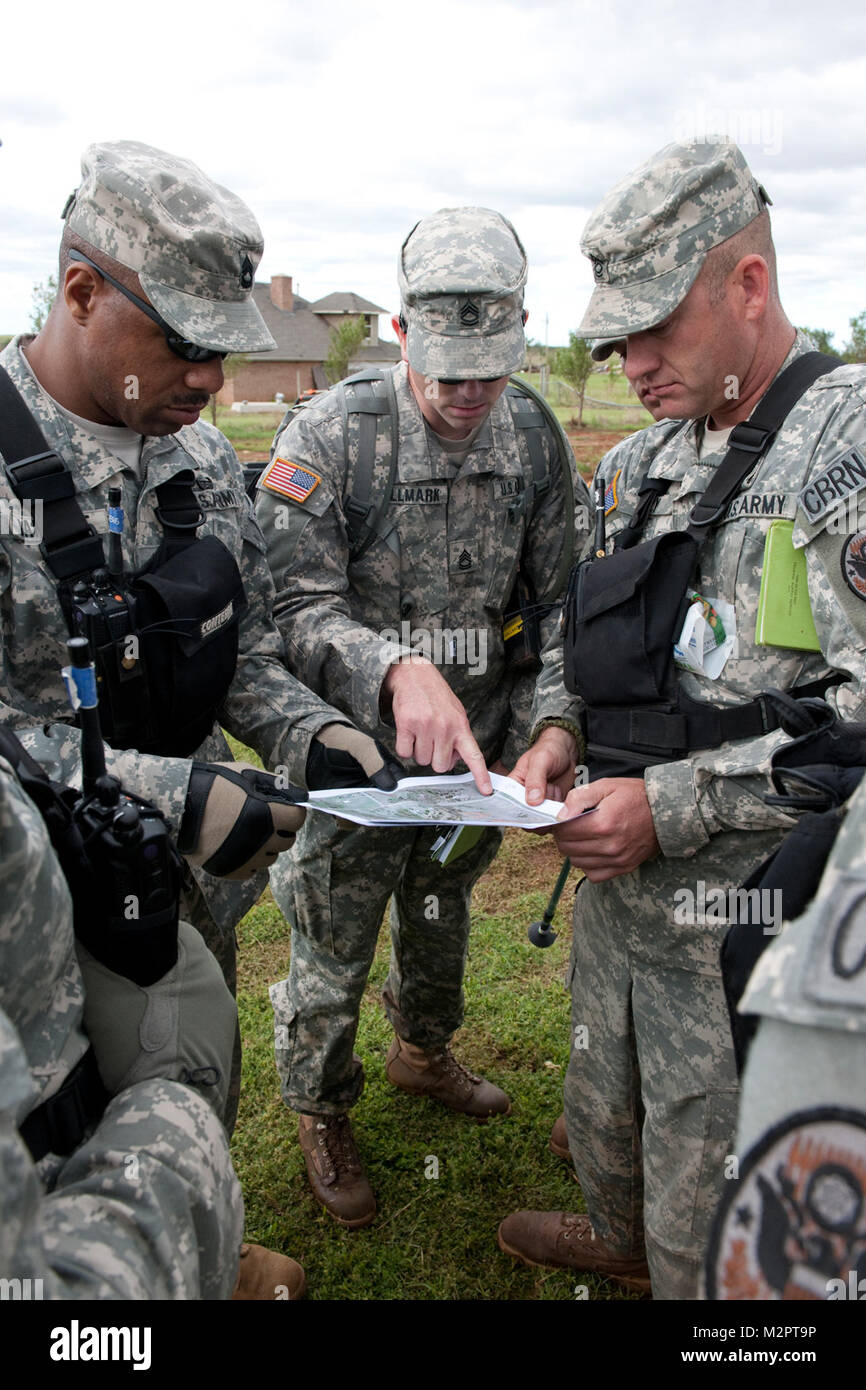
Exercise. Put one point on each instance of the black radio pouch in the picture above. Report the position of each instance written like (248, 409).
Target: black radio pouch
(188, 611)
(630, 660)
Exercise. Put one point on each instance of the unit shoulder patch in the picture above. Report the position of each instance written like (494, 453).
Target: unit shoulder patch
(854, 563)
(793, 1224)
(292, 480)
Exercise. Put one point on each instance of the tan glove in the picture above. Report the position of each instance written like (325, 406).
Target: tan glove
(237, 819)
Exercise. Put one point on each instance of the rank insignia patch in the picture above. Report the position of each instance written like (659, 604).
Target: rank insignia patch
(793, 1224)
(854, 563)
(289, 479)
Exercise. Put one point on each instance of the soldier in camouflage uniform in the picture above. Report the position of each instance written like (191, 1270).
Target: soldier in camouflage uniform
(685, 285)
(118, 395)
(362, 630)
(792, 1223)
(93, 1224)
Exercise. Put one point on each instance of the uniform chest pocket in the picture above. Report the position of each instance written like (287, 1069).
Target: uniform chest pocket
(504, 546)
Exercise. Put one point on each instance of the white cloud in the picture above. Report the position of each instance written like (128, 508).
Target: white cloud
(342, 124)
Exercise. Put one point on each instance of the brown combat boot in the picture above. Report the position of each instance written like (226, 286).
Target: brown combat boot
(335, 1170)
(440, 1076)
(565, 1241)
(265, 1275)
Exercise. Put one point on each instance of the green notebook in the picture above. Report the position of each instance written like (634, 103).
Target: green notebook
(784, 614)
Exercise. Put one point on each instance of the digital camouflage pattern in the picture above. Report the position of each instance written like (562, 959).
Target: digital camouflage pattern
(713, 827)
(148, 1206)
(447, 564)
(265, 708)
(335, 894)
(802, 1126)
(194, 244)
(461, 274)
(810, 988)
(649, 237)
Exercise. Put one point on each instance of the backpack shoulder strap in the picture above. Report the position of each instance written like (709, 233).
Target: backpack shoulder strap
(36, 472)
(370, 470)
(534, 416)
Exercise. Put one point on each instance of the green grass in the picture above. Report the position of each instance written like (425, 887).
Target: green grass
(433, 1238)
(248, 432)
(255, 433)
(625, 414)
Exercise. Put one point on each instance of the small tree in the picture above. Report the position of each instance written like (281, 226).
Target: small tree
(821, 338)
(344, 343)
(855, 349)
(42, 298)
(575, 365)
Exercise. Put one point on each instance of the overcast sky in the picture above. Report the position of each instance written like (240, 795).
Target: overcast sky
(342, 123)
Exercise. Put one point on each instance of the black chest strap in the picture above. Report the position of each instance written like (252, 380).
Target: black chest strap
(70, 546)
(750, 439)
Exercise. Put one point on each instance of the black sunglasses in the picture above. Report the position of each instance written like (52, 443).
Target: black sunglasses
(458, 380)
(181, 347)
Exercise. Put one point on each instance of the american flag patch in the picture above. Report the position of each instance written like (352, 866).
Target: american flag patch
(290, 479)
(611, 500)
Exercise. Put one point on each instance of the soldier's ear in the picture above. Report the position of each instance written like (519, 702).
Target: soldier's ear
(400, 326)
(81, 286)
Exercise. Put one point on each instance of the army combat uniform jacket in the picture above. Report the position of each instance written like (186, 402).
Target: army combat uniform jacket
(436, 579)
(265, 707)
(444, 562)
(639, 960)
(94, 1224)
(793, 1224)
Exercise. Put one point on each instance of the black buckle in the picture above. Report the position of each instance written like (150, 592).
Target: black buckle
(47, 484)
(82, 555)
(752, 440)
(168, 523)
(693, 520)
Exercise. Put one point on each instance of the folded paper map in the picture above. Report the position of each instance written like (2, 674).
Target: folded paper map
(437, 801)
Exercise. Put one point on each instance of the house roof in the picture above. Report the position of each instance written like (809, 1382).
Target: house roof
(344, 302)
(302, 335)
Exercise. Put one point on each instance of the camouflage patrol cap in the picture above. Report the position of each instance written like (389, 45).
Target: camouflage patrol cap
(461, 273)
(194, 245)
(648, 239)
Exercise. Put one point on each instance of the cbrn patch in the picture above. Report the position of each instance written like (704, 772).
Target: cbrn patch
(841, 479)
(793, 1225)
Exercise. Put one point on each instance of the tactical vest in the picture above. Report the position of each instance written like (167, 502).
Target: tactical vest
(165, 639)
(370, 429)
(623, 612)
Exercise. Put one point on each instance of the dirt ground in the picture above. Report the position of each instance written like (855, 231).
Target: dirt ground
(591, 445)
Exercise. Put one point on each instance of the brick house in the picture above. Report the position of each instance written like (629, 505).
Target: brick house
(302, 332)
